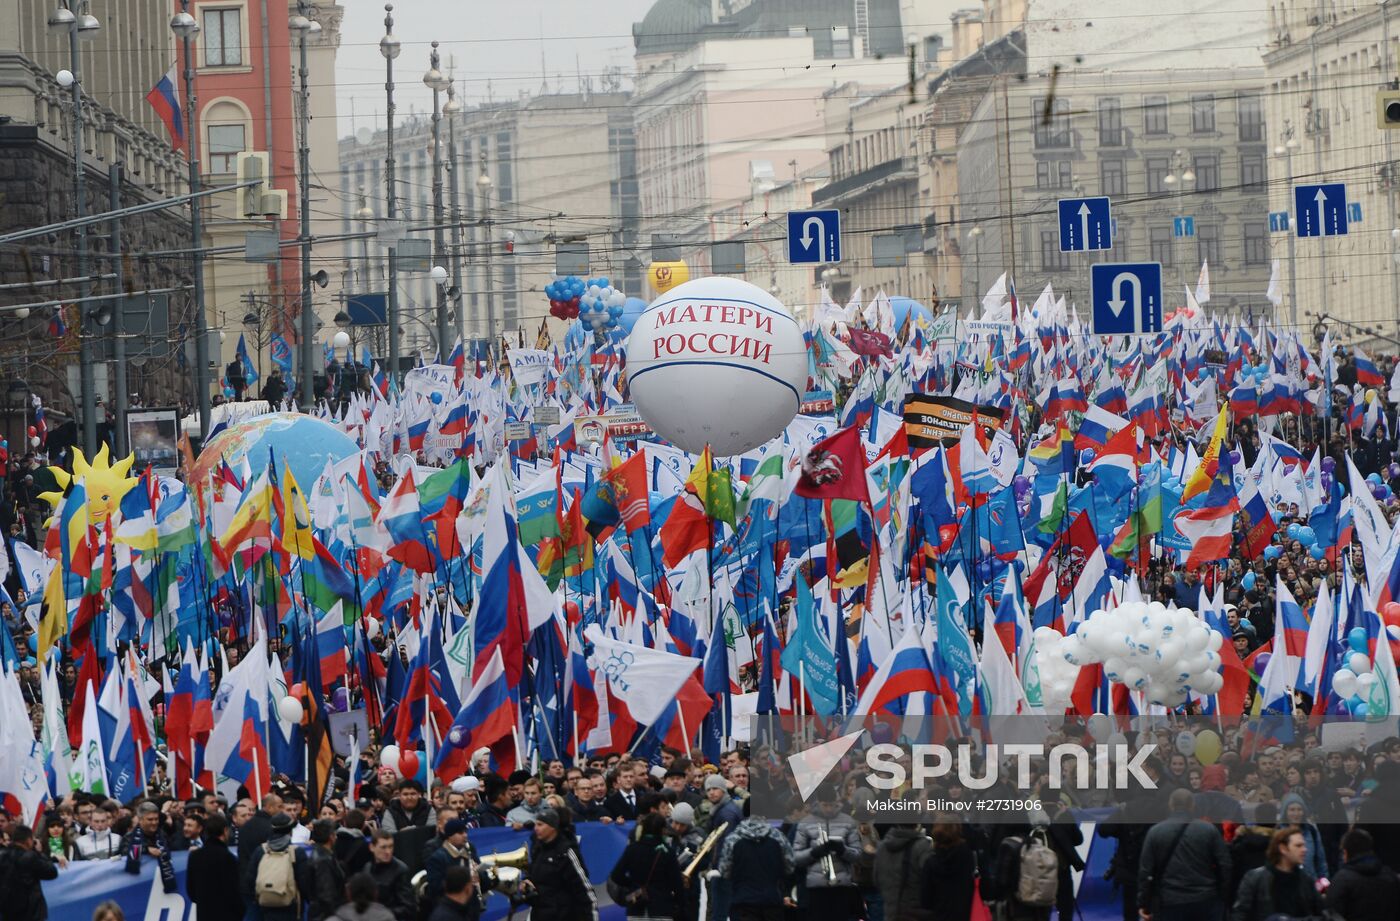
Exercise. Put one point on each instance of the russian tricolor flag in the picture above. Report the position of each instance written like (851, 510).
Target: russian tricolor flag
(487, 719)
(166, 101)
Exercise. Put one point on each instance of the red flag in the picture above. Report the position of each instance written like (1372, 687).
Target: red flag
(835, 468)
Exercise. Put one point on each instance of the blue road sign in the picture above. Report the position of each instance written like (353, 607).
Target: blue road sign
(1184, 226)
(1354, 212)
(1085, 224)
(1278, 221)
(814, 236)
(1127, 297)
(1322, 209)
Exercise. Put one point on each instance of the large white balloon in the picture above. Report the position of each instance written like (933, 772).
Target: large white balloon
(290, 709)
(717, 361)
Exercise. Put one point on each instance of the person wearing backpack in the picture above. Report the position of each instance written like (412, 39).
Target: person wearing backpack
(899, 872)
(1184, 870)
(1027, 876)
(23, 868)
(272, 874)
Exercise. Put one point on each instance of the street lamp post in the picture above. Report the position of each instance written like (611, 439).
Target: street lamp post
(436, 81)
(1180, 176)
(483, 187)
(185, 29)
(450, 110)
(389, 47)
(304, 26)
(82, 26)
(1285, 150)
(976, 234)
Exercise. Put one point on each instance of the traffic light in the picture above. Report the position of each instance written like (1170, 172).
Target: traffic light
(1388, 110)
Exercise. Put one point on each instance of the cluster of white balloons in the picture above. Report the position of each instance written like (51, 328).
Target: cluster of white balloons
(1057, 674)
(1355, 680)
(1164, 652)
(601, 304)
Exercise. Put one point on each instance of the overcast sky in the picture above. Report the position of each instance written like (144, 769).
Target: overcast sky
(496, 45)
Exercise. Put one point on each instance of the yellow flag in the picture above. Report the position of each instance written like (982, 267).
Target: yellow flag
(53, 625)
(296, 518)
(1210, 464)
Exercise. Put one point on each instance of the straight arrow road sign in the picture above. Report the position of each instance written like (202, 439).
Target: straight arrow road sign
(1085, 224)
(1321, 209)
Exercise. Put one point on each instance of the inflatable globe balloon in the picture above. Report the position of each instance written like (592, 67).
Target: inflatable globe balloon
(904, 307)
(717, 361)
(292, 440)
(632, 308)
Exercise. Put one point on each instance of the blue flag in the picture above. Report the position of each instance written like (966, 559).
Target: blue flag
(809, 655)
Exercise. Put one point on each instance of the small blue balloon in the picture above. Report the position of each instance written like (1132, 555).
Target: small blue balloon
(1293, 530)
(1357, 706)
(1373, 478)
(1317, 552)
(1248, 581)
(1273, 552)
(437, 398)
(1357, 640)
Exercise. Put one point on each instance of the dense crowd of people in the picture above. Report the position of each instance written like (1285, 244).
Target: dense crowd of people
(1288, 830)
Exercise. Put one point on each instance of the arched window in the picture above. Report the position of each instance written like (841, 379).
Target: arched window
(227, 133)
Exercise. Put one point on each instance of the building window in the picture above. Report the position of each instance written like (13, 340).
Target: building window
(1208, 245)
(1051, 259)
(226, 142)
(1112, 179)
(1203, 114)
(841, 42)
(1157, 170)
(1256, 243)
(1207, 170)
(1053, 174)
(1161, 244)
(1252, 172)
(223, 38)
(1110, 123)
(1054, 130)
(1251, 115)
(1154, 115)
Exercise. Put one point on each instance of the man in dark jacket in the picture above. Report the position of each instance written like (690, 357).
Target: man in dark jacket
(458, 897)
(251, 837)
(1379, 814)
(899, 870)
(556, 877)
(495, 802)
(1281, 888)
(409, 808)
(1364, 889)
(351, 847)
(1130, 824)
(1184, 871)
(326, 890)
(23, 868)
(212, 877)
(454, 851)
(755, 861)
(391, 876)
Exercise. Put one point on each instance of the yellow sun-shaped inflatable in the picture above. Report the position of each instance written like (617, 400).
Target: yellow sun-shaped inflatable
(104, 481)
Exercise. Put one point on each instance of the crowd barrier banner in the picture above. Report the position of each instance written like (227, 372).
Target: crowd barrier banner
(83, 886)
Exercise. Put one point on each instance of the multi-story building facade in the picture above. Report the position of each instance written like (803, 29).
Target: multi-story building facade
(126, 156)
(531, 174)
(249, 99)
(1170, 131)
(728, 92)
(1324, 64)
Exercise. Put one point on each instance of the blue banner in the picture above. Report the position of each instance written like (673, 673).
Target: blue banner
(78, 890)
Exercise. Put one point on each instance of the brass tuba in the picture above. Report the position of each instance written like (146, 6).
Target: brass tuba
(504, 870)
